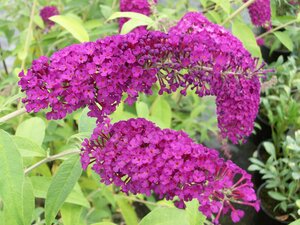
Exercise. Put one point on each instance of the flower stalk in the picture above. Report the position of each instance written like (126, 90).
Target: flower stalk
(12, 115)
(49, 159)
(238, 11)
(28, 33)
(277, 28)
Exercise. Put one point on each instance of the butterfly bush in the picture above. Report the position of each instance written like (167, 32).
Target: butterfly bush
(136, 155)
(141, 158)
(194, 54)
(138, 6)
(260, 13)
(47, 12)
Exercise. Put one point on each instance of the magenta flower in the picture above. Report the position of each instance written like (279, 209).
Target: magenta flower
(260, 13)
(46, 13)
(141, 158)
(260, 41)
(97, 74)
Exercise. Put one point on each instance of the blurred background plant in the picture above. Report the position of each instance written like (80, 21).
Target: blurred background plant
(280, 106)
(281, 191)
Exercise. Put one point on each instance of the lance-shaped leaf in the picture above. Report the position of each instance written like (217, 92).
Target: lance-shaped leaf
(62, 184)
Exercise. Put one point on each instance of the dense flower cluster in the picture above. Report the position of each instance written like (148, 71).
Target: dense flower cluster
(260, 13)
(141, 158)
(135, 154)
(138, 6)
(47, 12)
(227, 71)
(194, 54)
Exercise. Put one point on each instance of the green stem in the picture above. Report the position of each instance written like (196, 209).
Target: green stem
(143, 201)
(237, 12)
(113, 5)
(12, 115)
(28, 33)
(277, 28)
(49, 159)
(3, 61)
(213, 7)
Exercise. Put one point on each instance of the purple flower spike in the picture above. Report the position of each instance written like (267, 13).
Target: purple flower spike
(47, 12)
(97, 74)
(260, 13)
(141, 158)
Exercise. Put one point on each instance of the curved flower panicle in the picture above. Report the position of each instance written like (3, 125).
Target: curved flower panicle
(224, 71)
(194, 54)
(260, 13)
(47, 12)
(139, 157)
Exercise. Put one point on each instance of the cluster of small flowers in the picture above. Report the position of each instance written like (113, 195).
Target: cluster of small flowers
(219, 65)
(260, 13)
(141, 158)
(97, 74)
(62, 84)
(136, 155)
(46, 13)
(138, 6)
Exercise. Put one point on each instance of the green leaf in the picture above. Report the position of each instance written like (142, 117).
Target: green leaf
(246, 36)
(62, 184)
(71, 214)
(225, 5)
(105, 10)
(204, 3)
(41, 186)
(28, 201)
(285, 39)
(257, 162)
(38, 21)
(11, 180)
(296, 175)
(131, 25)
(32, 129)
(194, 216)
(127, 211)
(269, 147)
(28, 148)
(142, 109)
(72, 25)
(296, 222)
(24, 45)
(132, 15)
(104, 223)
(254, 168)
(161, 113)
(166, 216)
(214, 16)
(120, 114)
(86, 123)
(277, 196)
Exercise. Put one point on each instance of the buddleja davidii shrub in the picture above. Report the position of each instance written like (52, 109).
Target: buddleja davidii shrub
(97, 74)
